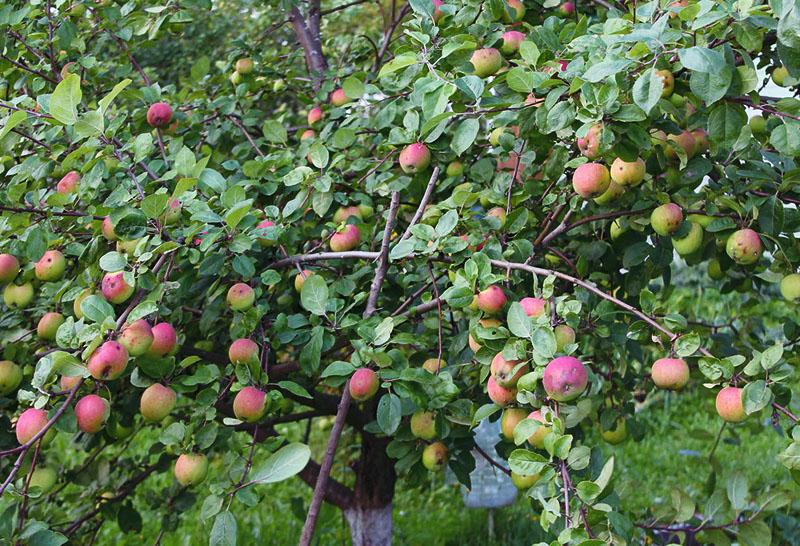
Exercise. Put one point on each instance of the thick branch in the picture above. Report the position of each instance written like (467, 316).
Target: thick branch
(312, 48)
(336, 493)
(383, 261)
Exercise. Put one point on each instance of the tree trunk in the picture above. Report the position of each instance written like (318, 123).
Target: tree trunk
(370, 513)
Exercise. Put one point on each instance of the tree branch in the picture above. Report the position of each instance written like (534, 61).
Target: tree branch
(383, 260)
(422, 204)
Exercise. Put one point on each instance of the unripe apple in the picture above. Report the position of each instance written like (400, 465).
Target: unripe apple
(244, 66)
(68, 183)
(127, 247)
(779, 75)
(566, 9)
(51, 266)
(670, 373)
(300, 279)
(165, 340)
(744, 246)
(173, 213)
(667, 81)
(486, 62)
(48, 325)
(589, 145)
(68, 382)
(565, 378)
(500, 395)
(684, 140)
(108, 229)
(30, 423)
(414, 158)
(616, 435)
(613, 191)
(434, 365)
(617, 229)
(758, 124)
(591, 180)
(423, 425)
(241, 297)
(666, 219)
(565, 335)
(108, 361)
(235, 78)
(343, 213)
(491, 300)
(701, 219)
(511, 41)
(700, 141)
(250, 404)
(364, 384)
(537, 438)
(494, 136)
(485, 323)
(515, 11)
(533, 307)
(115, 289)
(92, 412)
(509, 420)
(191, 468)
(157, 402)
(503, 371)
(499, 213)
(628, 173)
(690, 243)
(159, 114)
(244, 351)
(434, 456)
(137, 337)
(729, 405)
(314, 115)
(345, 239)
(790, 287)
(10, 377)
(339, 98)
(18, 296)
(9, 268)
(76, 305)
(714, 269)
(523, 483)
(455, 168)
(44, 478)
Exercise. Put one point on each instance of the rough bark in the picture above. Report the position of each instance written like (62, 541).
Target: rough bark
(370, 514)
(370, 526)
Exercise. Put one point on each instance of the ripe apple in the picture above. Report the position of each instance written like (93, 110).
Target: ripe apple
(157, 402)
(511, 41)
(628, 173)
(241, 297)
(191, 468)
(29, 424)
(509, 421)
(10, 377)
(486, 61)
(265, 241)
(729, 405)
(503, 371)
(307, 134)
(565, 378)
(250, 404)
(108, 361)
(423, 425)
(666, 219)
(346, 238)
(165, 340)
(173, 213)
(744, 246)
(9, 268)
(589, 145)
(566, 9)
(491, 300)
(591, 180)
(136, 337)
(500, 395)
(51, 266)
(48, 325)
(364, 384)
(533, 307)
(499, 213)
(565, 335)
(670, 373)
(314, 115)
(68, 183)
(92, 412)
(115, 289)
(159, 114)
(339, 98)
(414, 158)
(485, 323)
(434, 456)
(108, 230)
(244, 351)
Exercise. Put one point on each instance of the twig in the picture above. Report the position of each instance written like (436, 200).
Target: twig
(249, 138)
(423, 203)
(438, 301)
(491, 461)
(383, 260)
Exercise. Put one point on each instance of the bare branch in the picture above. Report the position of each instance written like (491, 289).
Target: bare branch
(423, 203)
(383, 260)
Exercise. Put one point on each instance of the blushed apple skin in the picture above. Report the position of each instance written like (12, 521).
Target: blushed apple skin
(729, 405)
(670, 373)
(565, 378)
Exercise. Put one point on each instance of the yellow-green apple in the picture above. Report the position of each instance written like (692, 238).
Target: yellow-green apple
(616, 435)
(76, 305)
(521, 481)
(511, 41)
(667, 82)
(670, 373)
(614, 190)
(434, 456)
(455, 168)
(627, 173)
(10, 377)
(157, 402)
(509, 421)
(537, 438)
(433, 365)
(48, 325)
(515, 11)
(565, 378)
(790, 287)
(51, 266)
(244, 65)
(589, 145)
(423, 425)
(779, 75)
(565, 335)
(758, 124)
(108, 229)
(486, 61)
(300, 279)
(241, 297)
(44, 478)
(691, 242)
(191, 468)
(666, 219)
(499, 213)
(18, 296)
(136, 337)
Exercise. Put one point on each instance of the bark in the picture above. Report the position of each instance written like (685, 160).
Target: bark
(370, 526)
(307, 33)
(370, 514)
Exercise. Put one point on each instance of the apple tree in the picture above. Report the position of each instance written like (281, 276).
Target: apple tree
(221, 216)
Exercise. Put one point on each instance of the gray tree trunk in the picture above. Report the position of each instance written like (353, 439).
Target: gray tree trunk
(370, 526)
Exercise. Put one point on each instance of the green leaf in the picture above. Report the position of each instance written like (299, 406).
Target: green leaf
(283, 464)
(401, 61)
(464, 135)
(111, 95)
(519, 323)
(446, 223)
(770, 215)
(295, 389)
(602, 70)
(688, 344)
(389, 413)
(97, 309)
(338, 368)
(520, 79)
(737, 490)
(65, 100)
(12, 121)
(113, 261)
(353, 87)
(756, 396)
(274, 131)
(224, 531)
(314, 295)
(319, 155)
(647, 90)
(725, 122)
